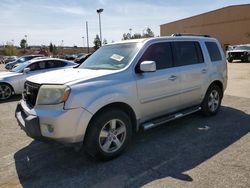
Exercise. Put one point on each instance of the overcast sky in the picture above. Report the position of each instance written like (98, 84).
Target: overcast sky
(45, 21)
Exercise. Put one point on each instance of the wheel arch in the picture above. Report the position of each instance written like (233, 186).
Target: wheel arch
(13, 91)
(219, 84)
(120, 106)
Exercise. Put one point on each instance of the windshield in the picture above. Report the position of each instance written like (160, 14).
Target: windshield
(19, 68)
(242, 48)
(112, 57)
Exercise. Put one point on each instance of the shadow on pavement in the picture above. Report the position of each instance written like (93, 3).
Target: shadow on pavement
(166, 151)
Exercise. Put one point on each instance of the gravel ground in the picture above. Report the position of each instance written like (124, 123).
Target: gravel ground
(194, 151)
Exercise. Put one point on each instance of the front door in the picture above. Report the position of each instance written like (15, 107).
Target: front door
(158, 91)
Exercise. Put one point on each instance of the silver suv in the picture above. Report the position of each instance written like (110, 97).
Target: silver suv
(124, 87)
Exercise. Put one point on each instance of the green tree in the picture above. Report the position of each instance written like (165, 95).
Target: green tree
(97, 42)
(149, 33)
(9, 49)
(55, 50)
(136, 36)
(51, 48)
(23, 44)
(126, 36)
(105, 41)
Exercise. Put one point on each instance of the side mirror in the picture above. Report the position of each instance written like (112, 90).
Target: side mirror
(26, 70)
(148, 66)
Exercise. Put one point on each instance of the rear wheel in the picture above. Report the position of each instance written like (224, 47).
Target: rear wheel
(230, 60)
(108, 135)
(212, 100)
(5, 91)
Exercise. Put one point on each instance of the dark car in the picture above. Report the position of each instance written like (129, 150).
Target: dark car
(240, 52)
(10, 59)
(20, 60)
(82, 58)
(71, 57)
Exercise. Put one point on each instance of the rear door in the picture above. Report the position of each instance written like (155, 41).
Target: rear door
(189, 60)
(158, 91)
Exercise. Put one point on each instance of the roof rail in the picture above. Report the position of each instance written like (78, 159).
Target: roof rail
(188, 34)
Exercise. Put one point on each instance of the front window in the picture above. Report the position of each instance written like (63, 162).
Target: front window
(19, 68)
(242, 48)
(111, 57)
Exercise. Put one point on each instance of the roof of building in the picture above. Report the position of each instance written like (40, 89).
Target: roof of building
(210, 12)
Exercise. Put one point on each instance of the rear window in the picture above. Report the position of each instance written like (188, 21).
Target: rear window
(213, 51)
(187, 53)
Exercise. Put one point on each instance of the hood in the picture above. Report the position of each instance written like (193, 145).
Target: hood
(67, 75)
(4, 75)
(239, 51)
(12, 62)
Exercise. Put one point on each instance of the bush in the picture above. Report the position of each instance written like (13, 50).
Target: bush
(10, 50)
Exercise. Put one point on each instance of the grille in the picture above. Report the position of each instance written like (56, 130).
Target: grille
(30, 93)
(237, 54)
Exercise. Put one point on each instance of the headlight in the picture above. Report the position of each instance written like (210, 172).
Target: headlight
(52, 94)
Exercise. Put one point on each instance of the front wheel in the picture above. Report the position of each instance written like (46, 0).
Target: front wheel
(5, 91)
(108, 135)
(212, 100)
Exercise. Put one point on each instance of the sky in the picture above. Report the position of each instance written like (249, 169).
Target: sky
(45, 21)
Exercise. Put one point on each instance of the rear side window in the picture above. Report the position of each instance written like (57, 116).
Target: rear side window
(213, 51)
(161, 53)
(55, 64)
(187, 53)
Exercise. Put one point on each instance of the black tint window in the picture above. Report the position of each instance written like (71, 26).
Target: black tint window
(37, 66)
(60, 63)
(55, 64)
(213, 51)
(160, 53)
(187, 53)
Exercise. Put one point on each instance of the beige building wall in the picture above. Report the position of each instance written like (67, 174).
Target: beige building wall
(231, 25)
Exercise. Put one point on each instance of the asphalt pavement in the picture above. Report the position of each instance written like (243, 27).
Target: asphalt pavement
(194, 151)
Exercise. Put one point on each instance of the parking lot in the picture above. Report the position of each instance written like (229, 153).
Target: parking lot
(194, 151)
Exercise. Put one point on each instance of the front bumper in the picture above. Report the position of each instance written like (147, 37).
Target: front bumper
(29, 123)
(53, 123)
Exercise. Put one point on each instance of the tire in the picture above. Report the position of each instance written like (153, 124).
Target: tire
(230, 60)
(5, 91)
(212, 101)
(108, 135)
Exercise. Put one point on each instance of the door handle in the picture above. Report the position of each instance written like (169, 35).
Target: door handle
(204, 71)
(172, 78)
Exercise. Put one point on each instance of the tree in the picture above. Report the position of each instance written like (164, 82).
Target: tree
(51, 48)
(136, 36)
(126, 36)
(104, 42)
(97, 42)
(55, 50)
(23, 43)
(10, 49)
(149, 33)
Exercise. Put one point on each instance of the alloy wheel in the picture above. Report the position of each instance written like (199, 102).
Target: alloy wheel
(5, 92)
(213, 100)
(112, 136)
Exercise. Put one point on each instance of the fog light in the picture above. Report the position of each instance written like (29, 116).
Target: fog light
(50, 128)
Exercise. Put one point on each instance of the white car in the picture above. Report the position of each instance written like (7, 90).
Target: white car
(12, 82)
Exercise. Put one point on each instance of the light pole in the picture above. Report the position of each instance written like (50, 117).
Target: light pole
(99, 11)
(83, 42)
(26, 44)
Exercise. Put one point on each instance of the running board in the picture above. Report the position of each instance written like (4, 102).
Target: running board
(165, 119)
